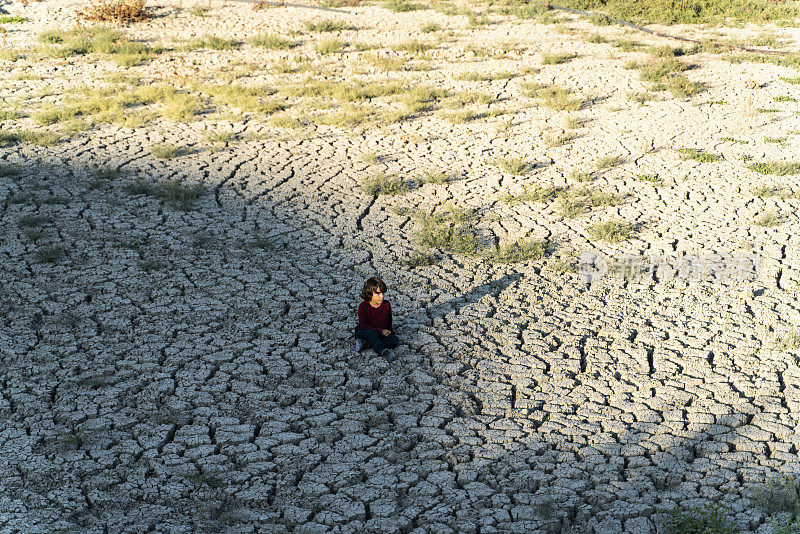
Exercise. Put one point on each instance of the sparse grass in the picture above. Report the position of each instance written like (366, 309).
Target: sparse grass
(554, 97)
(775, 140)
(383, 184)
(430, 27)
(557, 139)
(786, 525)
(9, 169)
(419, 99)
(475, 77)
(640, 97)
(698, 155)
(732, 140)
(419, 258)
(172, 192)
(557, 59)
(572, 123)
(626, 45)
(572, 207)
(432, 177)
(518, 251)
(563, 266)
(11, 19)
(215, 42)
(50, 254)
(272, 42)
(656, 70)
(460, 117)
(402, 6)
(582, 176)
(768, 110)
(286, 121)
(768, 220)
(32, 221)
(350, 117)
(794, 81)
(596, 38)
(513, 166)
(413, 46)
(784, 98)
(168, 151)
(385, 63)
(534, 194)
(330, 46)
(611, 231)
(450, 232)
(709, 519)
(327, 25)
(370, 157)
(781, 495)
(465, 98)
(607, 162)
(651, 179)
(476, 21)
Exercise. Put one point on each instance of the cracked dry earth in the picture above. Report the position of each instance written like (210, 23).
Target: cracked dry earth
(182, 371)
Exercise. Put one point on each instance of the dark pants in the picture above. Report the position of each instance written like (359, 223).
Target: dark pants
(377, 341)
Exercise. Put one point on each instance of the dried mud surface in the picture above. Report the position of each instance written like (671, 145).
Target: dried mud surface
(182, 371)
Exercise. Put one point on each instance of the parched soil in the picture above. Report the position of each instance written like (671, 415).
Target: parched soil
(188, 366)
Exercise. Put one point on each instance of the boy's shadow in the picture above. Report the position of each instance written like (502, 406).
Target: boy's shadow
(413, 321)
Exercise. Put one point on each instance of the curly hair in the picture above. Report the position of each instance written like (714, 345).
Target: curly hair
(372, 285)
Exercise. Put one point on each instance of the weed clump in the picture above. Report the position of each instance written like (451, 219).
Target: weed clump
(402, 6)
(778, 168)
(537, 194)
(514, 166)
(523, 250)
(698, 155)
(383, 184)
(419, 258)
(450, 232)
(709, 519)
(554, 97)
(271, 42)
(611, 231)
(556, 59)
(117, 11)
(327, 26)
(768, 220)
(172, 192)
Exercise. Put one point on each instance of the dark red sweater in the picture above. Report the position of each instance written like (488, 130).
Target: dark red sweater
(370, 318)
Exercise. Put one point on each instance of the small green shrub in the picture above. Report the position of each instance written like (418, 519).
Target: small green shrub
(709, 519)
(786, 525)
(167, 151)
(651, 178)
(10, 19)
(523, 250)
(534, 194)
(451, 231)
(383, 184)
(606, 162)
(327, 25)
(596, 38)
(413, 46)
(768, 220)
(430, 27)
(780, 495)
(401, 6)
(330, 46)
(611, 231)
(172, 192)
(514, 166)
(9, 169)
(218, 43)
(556, 59)
(778, 168)
(419, 258)
(51, 254)
(698, 155)
(432, 177)
(460, 117)
(271, 42)
(554, 97)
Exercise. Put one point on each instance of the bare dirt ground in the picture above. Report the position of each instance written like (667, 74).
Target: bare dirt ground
(169, 370)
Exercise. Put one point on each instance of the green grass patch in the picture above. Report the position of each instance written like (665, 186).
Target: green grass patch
(432, 177)
(451, 231)
(795, 81)
(784, 98)
(626, 45)
(768, 219)
(554, 97)
(709, 519)
(383, 184)
(327, 25)
(419, 99)
(172, 192)
(413, 46)
(534, 194)
(461, 117)
(710, 11)
(168, 151)
(513, 166)
(51, 254)
(419, 258)
(611, 231)
(698, 155)
(402, 6)
(607, 162)
(11, 19)
(651, 179)
(330, 46)
(518, 251)
(596, 38)
(272, 42)
(430, 27)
